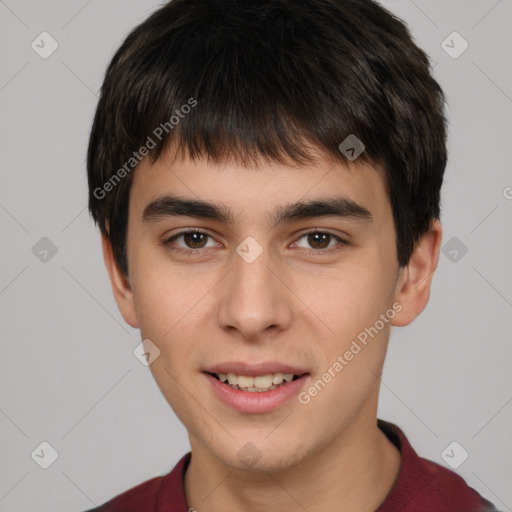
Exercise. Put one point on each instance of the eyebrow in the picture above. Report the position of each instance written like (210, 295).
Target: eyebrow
(173, 206)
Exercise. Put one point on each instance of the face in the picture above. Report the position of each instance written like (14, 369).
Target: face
(284, 271)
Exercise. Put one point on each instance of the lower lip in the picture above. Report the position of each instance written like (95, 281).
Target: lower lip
(256, 401)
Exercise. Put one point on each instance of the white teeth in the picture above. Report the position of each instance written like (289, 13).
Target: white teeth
(258, 383)
(245, 382)
(277, 378)
(265, 381)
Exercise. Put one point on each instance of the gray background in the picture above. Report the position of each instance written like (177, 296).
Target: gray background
(68, 375)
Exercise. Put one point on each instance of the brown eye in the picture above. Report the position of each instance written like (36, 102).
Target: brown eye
(189, 242)
(194, 240)
(320, 242)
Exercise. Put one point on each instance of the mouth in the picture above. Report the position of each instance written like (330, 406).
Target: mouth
(255, 387)
(256, 383)
(261, 392)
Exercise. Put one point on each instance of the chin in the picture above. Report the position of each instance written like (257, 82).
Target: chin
(259, 454)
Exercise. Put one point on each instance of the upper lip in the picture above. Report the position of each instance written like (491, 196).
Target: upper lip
(253, 370)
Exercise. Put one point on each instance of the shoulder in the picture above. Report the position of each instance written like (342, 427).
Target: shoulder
(150, 495)
(424, 485)
(448, 489)
(140, 497)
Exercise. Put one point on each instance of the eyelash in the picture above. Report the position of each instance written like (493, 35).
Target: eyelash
(196, 252)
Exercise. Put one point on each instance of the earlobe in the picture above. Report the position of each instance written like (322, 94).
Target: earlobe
(121, 287)
(413, 287)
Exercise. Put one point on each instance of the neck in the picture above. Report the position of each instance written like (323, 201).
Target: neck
(355, 471)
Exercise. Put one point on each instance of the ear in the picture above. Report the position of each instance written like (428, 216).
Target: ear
(120, 284)
(413, 285)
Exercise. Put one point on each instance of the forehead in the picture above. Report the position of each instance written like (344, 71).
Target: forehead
(247, 193)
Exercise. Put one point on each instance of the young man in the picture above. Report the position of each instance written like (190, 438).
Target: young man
(266, 175)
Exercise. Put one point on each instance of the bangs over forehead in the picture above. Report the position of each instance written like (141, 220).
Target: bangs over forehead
(266, 81)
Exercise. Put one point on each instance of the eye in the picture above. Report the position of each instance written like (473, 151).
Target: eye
(193, 240)
(320, 241)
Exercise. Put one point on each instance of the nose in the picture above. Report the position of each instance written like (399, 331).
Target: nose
(254, 301)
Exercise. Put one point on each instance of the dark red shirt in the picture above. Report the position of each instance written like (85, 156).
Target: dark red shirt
(421, 486)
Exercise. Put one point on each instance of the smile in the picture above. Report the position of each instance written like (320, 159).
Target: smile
(259, 383)
(255, 388)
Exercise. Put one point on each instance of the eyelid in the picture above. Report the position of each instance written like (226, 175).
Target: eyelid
(320, 230)
(341, 241)
(168, 239)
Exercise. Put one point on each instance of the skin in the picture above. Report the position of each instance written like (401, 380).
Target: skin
(288, 305)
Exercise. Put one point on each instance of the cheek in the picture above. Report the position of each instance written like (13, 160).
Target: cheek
(348, 299)
(171, 305)
(156, 306)
(161, 291)
(351, 304)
